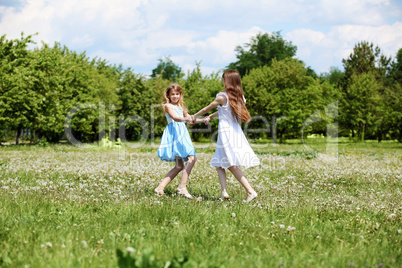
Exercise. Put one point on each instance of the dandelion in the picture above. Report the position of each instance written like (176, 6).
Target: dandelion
(392, 216)
(399, 231)
(63, 246)
(233, 214)
(84, 243)
(282, 226)
(49, 244)
(130, 250)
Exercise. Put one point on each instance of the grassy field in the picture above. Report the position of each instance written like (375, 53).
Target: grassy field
(319, 205)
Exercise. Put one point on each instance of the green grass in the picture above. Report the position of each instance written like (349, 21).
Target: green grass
(63, 206)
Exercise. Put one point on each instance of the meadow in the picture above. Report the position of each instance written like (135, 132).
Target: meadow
(318, 206)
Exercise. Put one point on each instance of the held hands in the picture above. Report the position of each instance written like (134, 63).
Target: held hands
(193, 121)
(206, 120)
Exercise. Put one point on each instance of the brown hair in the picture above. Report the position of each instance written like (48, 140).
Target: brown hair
(166, 99)
(232, 82)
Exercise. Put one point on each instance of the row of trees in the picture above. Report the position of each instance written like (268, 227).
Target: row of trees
(47, 90)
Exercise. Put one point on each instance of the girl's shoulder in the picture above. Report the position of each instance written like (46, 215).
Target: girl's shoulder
(174, 107)
(222, 93)
(169, 105)
(225, 97)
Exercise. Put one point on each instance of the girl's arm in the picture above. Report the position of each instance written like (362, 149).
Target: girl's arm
(220, 100)
(176, 118)
(208, 118)
(213, 115)
(195, 121)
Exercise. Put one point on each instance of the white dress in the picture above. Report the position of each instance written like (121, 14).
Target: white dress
(232, 148)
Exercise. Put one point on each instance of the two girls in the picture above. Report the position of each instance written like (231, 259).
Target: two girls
(233, 149)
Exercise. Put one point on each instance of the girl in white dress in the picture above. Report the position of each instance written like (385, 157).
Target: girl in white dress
(233, 149)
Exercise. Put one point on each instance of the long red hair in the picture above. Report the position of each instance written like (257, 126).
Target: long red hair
(232, 82)
(166, 99)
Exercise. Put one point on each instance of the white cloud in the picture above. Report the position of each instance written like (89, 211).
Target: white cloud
(322, 50)
(138, 32)
(82, 41)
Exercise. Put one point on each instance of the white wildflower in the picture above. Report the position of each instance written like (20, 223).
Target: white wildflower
(130, 250)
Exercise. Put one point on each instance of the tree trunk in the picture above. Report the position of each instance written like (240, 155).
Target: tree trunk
(363, 126)
(17, 139)
(379, 136)
(273, 129)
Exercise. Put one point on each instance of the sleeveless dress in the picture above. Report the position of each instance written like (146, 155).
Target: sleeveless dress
(232, 148)
(176, 141)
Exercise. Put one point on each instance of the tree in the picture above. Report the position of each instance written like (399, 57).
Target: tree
(396, 71)
(168, 69)
(199, 91)
(131, 93)
(368, 112)
(261, 51)
(285, 90)
(359, 106)
(393, 97)
(334, 77)
(18, 103)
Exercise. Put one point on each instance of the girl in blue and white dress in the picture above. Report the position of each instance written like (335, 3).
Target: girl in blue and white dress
(176, 145)
(232, 148)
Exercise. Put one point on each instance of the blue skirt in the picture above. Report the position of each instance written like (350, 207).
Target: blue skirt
(175, 142)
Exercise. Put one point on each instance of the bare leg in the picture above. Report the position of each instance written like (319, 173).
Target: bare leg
(222, 178)
(242, 179)
(171, 174)
(186, 172)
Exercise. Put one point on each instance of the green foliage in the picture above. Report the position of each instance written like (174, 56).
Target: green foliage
(18, 102)
(199, 91)
(363, 59)
(285, 90)
(48, 89)
(334, 77)
(133, 96)
(168, 70)
(371, 101)
(261, 51)
(360, 102)
(146, 259)
(43, 142)
(40, 87)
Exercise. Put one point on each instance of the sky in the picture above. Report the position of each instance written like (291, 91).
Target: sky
(137, 33)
